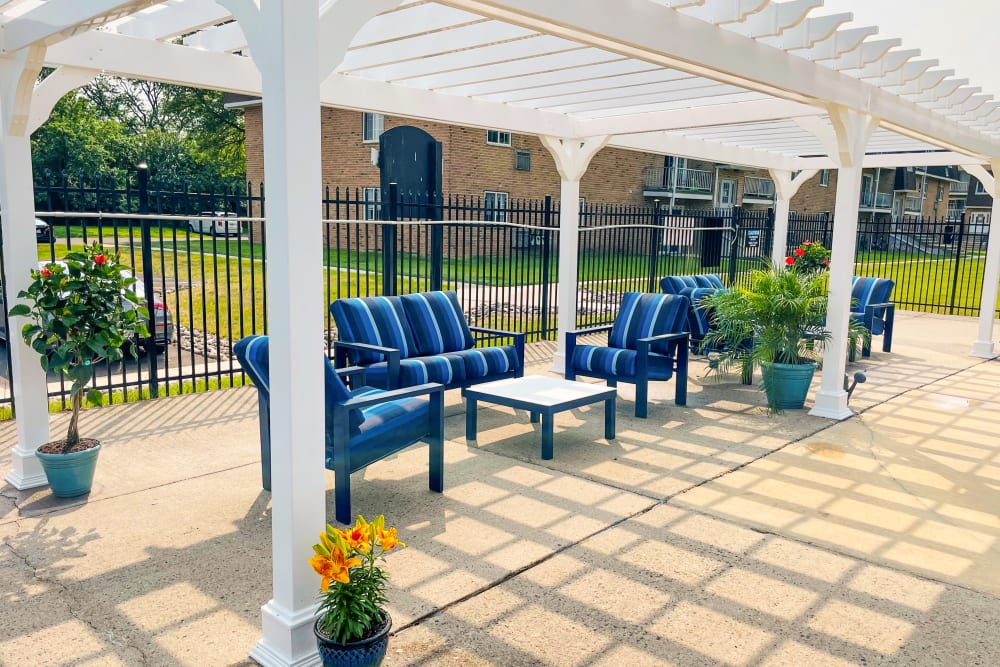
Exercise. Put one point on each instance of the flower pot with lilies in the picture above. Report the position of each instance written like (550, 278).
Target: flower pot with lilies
(353, 618)
(79, 310)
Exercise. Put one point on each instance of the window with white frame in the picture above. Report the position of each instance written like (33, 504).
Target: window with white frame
(373, 203)
(522, 160)
(372, 125)
(497, 138)
(980, 190)
(824, 177)
(496, 206)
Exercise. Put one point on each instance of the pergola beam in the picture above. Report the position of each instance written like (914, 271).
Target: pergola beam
(49, 22)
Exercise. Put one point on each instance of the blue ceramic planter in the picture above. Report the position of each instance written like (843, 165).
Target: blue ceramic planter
(363, 653)
(72, 474)
(786, 385)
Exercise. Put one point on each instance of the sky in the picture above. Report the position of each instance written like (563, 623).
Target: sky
(961, 34)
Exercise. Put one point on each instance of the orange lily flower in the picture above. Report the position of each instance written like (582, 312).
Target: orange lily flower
(387, 538)
(360, 536)
(334, 568)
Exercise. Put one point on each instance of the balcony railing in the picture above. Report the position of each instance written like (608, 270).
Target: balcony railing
(959, 188)
(913, 204)
(876, 200)
(693, 181)
(758, 188)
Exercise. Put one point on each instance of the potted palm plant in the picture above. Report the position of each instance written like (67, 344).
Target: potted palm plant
(79, 310)
(776, 322)
(353, 625)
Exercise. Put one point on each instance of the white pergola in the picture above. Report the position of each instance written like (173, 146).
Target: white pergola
(752, 82)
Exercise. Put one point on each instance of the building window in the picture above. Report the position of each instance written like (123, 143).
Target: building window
(371, 127)
(497, 138)
(373, 203)
(980, 190)
(824, 177)
(583, 203)
(522, 160)
(496, 206)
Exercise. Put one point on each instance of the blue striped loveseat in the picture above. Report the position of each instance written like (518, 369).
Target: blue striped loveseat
(695, 288)
(648, 341)
(407, 340)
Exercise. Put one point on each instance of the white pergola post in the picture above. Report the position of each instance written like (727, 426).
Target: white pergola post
(20, 255)
(572, 157)
(984, 345)
(785, 187)
(284, 40)
(852, 132)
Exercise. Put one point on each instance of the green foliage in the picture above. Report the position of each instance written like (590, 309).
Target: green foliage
(80, 310)
(353, 583)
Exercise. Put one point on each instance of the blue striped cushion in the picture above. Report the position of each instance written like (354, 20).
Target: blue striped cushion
(443, 368)
(336, 392)
(437, 322)
(868, 290)
(252, 352)
(375, 320)
(674, 284)
(709, 280)
(618, 362)
(484, 361)
(698, 316)
(643, 315)
(385, 426)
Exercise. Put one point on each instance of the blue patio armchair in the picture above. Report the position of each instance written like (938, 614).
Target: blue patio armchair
(648, 341)
(363, 425)
(871, 305)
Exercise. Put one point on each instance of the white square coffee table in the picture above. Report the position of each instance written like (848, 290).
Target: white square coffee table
(540, 395)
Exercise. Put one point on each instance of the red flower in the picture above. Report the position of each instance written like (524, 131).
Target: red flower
(826, 262)
(100, 259)
(799, 252)
(807, 243)
(789, 261)
(46, 273)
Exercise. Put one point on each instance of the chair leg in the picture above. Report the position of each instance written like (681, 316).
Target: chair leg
(436, 443)
(641, 399)
(342, 494)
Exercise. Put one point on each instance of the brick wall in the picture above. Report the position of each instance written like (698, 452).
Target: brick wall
(813, 198)
(470, 165)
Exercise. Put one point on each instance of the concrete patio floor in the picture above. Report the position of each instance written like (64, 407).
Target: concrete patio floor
(708, 535)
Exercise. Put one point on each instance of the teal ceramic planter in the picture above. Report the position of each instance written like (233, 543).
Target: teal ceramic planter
(367, 652)
(786, 385)
(72, 474)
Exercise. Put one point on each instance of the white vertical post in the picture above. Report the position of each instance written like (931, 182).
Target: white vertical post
(572, 157)
(20, 254)
(983, 346)
(284, 40)
(853, 130)
(785, 188)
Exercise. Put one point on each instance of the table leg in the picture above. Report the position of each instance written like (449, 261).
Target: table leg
(609, 418)
(470, 418)
(534, 417)
(547, 435)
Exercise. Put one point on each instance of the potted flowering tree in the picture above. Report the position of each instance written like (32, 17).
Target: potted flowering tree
(353, 625)
(79, 310)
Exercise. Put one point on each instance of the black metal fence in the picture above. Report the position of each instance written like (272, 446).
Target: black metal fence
(502, 257)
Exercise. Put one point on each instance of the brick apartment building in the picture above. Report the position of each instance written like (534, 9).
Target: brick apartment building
(502, 167)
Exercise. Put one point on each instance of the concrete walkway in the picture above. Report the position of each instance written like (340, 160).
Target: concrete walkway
(707, 535)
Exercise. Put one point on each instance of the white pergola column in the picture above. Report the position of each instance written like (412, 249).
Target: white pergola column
(785, 187)
(853, 130)
(284, 42)
(20, 255)
(984, 345)
(572, 157)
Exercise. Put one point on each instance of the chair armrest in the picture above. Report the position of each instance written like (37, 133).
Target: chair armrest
(495, 333)
(591, 330)
(365, 347)
(671, 336)
(350, 372)
(391, 395)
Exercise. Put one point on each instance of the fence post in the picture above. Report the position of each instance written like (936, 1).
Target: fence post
(437, 242)
(769, 249)
(734, 244)
(390, 213)
(147, 279)
(958, 240)
(546, 253)
(651, 286)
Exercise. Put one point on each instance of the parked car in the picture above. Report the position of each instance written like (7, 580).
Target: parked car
(162, 328)
(43, 231)
(216, 223)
